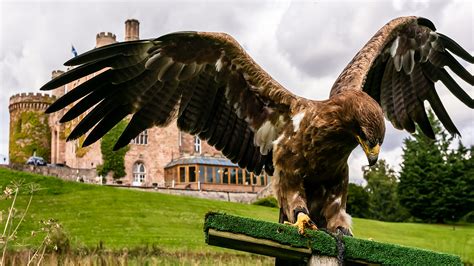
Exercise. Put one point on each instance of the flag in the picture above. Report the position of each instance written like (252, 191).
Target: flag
(73, 50)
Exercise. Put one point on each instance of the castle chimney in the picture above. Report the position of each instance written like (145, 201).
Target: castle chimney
(132, 30)
(104, 38)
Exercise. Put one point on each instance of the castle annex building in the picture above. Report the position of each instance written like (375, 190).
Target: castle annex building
(164, 157)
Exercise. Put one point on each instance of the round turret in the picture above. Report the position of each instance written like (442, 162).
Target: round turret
(105, 38)
(29, 129)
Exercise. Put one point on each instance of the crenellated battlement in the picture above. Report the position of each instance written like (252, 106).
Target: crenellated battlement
(30, 101)
(105, 38)
(56, 73)
(106, 35)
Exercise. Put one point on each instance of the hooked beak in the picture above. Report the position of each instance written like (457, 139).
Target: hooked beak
(371, 153)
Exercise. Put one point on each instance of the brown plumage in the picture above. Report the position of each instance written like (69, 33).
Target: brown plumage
(215, 90)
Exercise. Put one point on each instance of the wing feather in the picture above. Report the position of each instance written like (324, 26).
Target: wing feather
(79, 92)
(152, 113)
(107, 123)
(413, 56)
(226, 131)
(457, 49)
(85, 103)
(104, 52)
(386, 97)
(400, 86)
(439, 60)
(441, 113)
(205, 81)
(218, 109)
(435, 74)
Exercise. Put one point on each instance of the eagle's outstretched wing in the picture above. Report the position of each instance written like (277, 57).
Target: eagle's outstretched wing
(398, 68)
(205, 80)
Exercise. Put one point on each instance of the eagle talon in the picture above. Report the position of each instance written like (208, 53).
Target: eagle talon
(303, 221)
(344, 231)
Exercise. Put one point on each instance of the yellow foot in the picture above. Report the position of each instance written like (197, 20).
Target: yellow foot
(303, 222)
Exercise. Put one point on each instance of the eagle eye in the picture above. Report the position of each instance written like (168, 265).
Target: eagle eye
(373, 143)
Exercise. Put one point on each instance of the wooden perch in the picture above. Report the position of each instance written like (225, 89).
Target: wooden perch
(315, 248)
(255, 245)
(266, 247)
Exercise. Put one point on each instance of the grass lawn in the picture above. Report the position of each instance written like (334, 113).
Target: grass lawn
(127, 218)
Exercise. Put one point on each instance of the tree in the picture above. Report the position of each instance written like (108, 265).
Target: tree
(113, 160)
(436, 183)
(357, 201)
(382, 190)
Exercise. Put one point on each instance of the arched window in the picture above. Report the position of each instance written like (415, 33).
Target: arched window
(141, 139)
(139, 173)
(197, 144)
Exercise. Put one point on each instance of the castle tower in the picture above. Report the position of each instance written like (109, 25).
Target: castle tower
(29, 130)
(58, 134)
(58, 92)
(104, 38)
(132, 27)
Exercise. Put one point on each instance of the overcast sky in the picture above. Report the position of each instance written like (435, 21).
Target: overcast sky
(302, 44)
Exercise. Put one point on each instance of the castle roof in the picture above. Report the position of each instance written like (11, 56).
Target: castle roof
(202, 160)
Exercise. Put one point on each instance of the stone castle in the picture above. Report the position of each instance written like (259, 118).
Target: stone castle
(160, 157)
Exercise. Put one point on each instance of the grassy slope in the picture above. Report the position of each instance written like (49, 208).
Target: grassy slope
(125, 218)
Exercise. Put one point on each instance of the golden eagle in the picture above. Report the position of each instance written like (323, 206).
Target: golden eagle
(215, 90)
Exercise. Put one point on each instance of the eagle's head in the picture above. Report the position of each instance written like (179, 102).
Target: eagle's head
(366, 122)
(369, 126)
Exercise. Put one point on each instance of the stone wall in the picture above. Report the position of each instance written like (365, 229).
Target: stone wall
(243, 197)
(90, 176)
(218, 187)
(187, 146)
(161, 148)
(66, 173)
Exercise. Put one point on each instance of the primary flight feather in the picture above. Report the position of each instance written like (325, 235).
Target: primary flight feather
(214, 89)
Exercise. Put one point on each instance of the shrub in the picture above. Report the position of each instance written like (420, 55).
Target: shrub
(269, 201)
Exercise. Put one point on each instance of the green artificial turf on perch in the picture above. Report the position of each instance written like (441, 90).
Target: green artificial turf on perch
(283, 241)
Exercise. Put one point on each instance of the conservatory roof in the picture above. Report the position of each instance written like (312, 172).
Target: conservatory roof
(216, 161)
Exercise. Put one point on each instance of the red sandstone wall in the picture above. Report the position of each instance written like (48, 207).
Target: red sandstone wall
(187, 147)
(162, 147)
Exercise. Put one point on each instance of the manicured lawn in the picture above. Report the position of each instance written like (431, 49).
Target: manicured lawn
(436, 237)
(127, 218)
(123, 217)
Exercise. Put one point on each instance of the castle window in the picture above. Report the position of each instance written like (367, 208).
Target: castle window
(197, 144)
(139, 173)
(141, 139)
